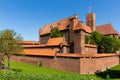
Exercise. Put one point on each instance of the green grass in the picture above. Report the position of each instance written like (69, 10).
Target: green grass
(113, 73)
(36, 70)
(38, 73)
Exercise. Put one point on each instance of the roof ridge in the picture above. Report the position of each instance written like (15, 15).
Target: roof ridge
(103, 24)
(59, 20)
(106, 29)
(112, 29)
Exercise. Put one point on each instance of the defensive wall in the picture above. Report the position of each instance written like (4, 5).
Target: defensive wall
(77, 63)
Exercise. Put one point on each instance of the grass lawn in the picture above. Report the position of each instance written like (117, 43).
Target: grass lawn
(53, 74)
(113, 73)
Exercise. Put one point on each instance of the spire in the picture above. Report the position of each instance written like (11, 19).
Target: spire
(90, 9)
(76, 16)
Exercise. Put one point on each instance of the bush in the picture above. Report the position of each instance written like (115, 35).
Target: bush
(40, 63)
(107, 77)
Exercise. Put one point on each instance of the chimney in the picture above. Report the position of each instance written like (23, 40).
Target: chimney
(39, 34)
(74, 21)
(91, 21)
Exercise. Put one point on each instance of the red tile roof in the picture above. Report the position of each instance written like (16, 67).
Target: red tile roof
(63, 24)
(51, 42)
(50, 52)
(80, 25)
(85, 55)
(106, 29)
(28, 42)
(55, 41)
(34, 46)
(90, 45)
(40, 52)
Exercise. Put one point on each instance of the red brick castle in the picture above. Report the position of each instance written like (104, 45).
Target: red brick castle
(70, 52)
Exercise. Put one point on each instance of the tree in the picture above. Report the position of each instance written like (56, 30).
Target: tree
(56, 33)
(89, 40)
(2, 52)
(105, 44)
(111, 44)
(116, 44)
(97, 38)
(9, 44)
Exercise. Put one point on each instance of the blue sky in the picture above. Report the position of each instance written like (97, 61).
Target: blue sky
(26, 17)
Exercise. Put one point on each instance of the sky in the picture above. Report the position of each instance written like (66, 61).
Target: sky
(26, 17)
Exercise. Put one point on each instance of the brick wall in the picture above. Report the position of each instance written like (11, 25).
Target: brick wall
(79, 42)
(26, 59)
(61, 63)
(80, 65)
(44, 38)
(68, 64)
(92, 65)
(90, 50)
(66, 33)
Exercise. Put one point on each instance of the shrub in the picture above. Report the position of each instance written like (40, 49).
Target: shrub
(40, 63)
(107, 77)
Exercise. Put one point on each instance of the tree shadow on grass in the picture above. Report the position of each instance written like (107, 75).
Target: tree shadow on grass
(16, 70)
(113, 74)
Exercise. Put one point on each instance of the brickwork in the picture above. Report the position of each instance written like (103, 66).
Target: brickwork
(91, 50)
(81, 65)
(61, 63)
(74, 31)
(91, 21)
(44, 38)
(66, 33)
(79, 42)
(26, 59)
(107, 62)
(91, 65)
(68, 64)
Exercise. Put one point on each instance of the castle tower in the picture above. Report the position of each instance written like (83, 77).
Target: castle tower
(91, 21)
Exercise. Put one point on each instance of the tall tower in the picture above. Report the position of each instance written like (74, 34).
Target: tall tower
(91, 21)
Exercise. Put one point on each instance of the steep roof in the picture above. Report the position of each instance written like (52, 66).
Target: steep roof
(63, 24)
(80, 25)
(106, 29)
